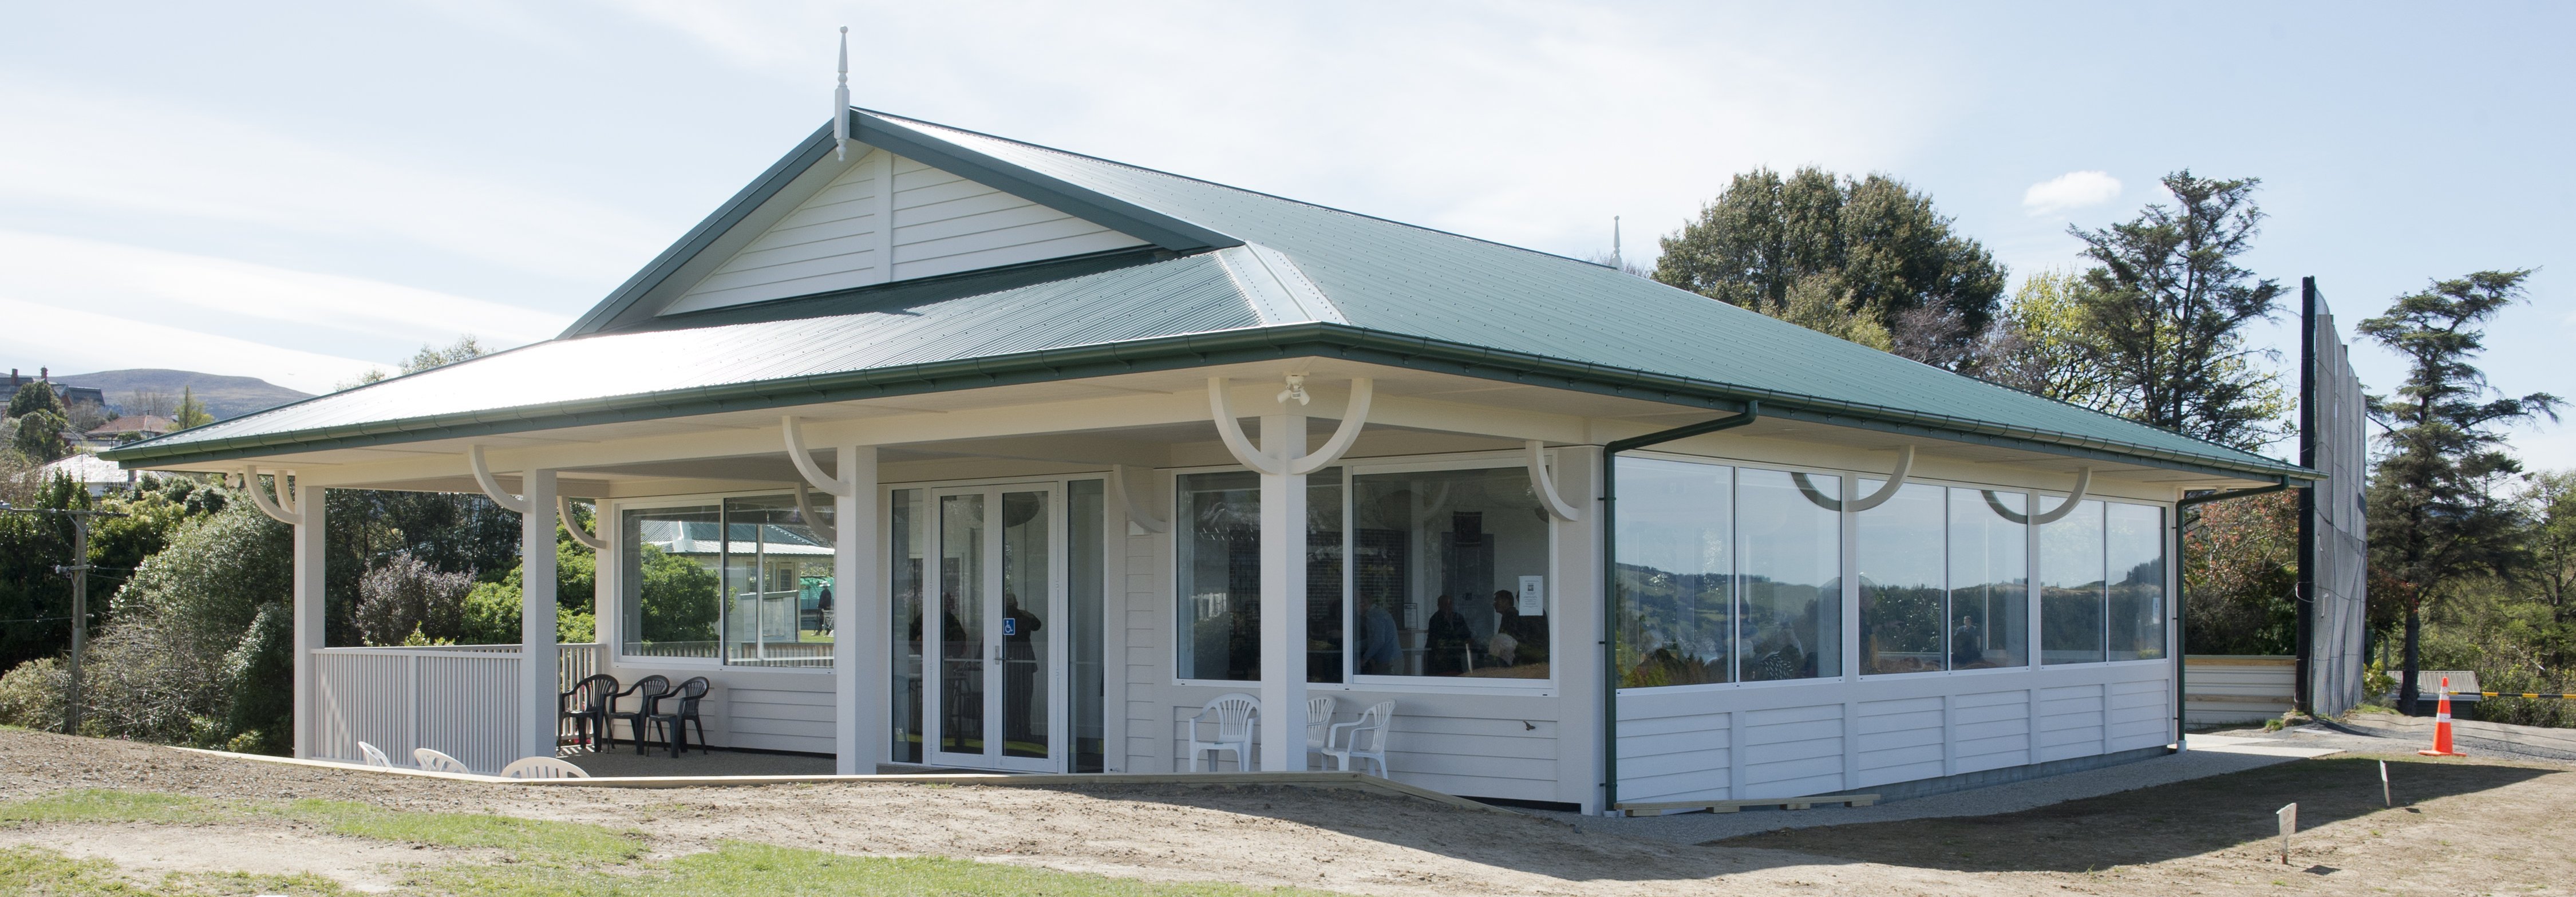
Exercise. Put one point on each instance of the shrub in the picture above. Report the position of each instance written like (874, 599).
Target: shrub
(31, 695)
(405, 595)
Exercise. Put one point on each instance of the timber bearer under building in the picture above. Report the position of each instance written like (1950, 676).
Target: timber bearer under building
(1075, 446)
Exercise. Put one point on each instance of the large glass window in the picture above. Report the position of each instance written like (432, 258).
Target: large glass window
(1086, 545)
(1989, 618)
(2134, 543)
(1675, 573)
(908, 528)
(1451, 574)
(2070, 583)
(672, 593)
(1217, 538)
(1789, 537)
(1902, 580)
(778, 585)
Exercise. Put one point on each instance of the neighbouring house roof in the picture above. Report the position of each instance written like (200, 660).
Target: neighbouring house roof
(1229, 275)
(85, 469)
(136, 423)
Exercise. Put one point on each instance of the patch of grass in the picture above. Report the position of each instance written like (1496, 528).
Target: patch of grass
(99, 805)
(743, 869)
(37, 872)
(527, 840)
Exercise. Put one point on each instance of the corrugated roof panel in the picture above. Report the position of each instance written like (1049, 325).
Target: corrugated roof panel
(1389, 278)
(1187, 295)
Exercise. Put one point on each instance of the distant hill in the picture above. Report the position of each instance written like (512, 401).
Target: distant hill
(224, 396)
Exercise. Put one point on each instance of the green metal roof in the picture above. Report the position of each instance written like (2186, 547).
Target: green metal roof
(1235, 275)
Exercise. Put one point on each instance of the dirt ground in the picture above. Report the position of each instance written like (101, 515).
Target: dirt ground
(2476, 827)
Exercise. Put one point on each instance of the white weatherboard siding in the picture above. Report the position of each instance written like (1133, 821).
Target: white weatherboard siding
(771, 710)
(1792, 739)
(942, 224)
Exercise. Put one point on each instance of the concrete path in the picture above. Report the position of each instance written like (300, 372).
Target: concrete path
(2210, 755)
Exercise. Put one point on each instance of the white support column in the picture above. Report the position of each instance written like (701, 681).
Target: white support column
(1283, 595)
(306, 610)
(537, 649)
(861, 630)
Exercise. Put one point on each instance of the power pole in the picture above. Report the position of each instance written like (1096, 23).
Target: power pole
(79, 569)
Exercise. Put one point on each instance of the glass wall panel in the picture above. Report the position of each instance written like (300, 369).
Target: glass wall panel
(778, 583)
(1218, 581)
(908, 527)
(1901, 558)
(2134, 541)
(1789, 529)
(1027, 651)
(672, 594)
(962, 655)
(1452, 579)
(1086, 539)
(1675, 613)
(2070, 586)
(1989, 618)
(1218, 540)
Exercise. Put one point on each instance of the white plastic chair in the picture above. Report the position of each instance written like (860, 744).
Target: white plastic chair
(1319, 723)
(542, 768)
(437, 762)
(375, 756)
(1363, 739)
(1237, 716)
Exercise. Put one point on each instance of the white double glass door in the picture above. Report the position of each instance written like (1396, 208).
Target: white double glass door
(998, 699)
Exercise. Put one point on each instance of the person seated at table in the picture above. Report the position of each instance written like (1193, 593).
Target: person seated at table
(1449, 639)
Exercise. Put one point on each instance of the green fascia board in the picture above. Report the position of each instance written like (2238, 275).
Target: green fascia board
(1178, 353)
(866, 127)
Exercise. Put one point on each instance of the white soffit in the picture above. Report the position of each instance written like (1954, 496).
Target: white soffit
(837, 238)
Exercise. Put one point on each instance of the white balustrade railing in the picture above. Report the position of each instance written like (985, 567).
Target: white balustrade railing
(461, 700)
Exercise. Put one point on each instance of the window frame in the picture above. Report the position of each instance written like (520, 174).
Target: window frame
(616, 574)
(2034, 497)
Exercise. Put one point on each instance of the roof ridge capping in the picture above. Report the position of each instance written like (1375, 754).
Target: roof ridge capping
(1278, 291)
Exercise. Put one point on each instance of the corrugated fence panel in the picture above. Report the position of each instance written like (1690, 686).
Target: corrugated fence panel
(469, 706)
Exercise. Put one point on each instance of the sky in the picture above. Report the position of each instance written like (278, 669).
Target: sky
(300, 192)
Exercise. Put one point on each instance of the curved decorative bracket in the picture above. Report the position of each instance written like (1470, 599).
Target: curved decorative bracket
(813, 521)
(1895, 481)
(828, 484)
(1545, 486)
(276, 508)
(1119, 480)
(1230, 431)
(2083, 483)
(492, 487)
(1354, 417)
(563, 512)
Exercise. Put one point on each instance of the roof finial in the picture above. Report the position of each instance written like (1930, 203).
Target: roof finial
(841, 103)
(1616, 260)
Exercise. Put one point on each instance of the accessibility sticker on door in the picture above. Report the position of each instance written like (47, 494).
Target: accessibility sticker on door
(1010, 625)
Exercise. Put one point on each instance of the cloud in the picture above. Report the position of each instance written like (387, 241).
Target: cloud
(2072, 190)
(151, 284)
(99, 151)
(72, 340)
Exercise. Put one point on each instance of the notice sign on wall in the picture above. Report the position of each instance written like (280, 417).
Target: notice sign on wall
(1533, 601)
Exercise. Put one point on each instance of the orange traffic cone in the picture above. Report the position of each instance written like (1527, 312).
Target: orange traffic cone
(2442, 725)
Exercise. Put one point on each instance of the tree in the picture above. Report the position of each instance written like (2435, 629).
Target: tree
(2436, 514)
(2244, 570)
(40, 436)
(2550, 507)
(2038, 344)
(1869, 260)
(2166, 309)
(191, 413)
(465, 347)
(34, 396)
(404, 597)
